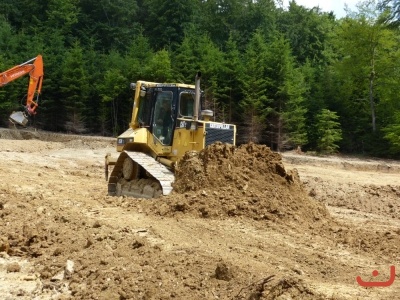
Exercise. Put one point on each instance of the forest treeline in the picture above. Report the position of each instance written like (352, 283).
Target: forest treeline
(287, 77)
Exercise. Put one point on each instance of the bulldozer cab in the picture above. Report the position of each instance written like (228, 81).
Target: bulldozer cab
(161, 108)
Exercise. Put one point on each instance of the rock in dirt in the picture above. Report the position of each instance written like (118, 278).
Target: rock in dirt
(13, 267)
(4, 245)
(223, 272)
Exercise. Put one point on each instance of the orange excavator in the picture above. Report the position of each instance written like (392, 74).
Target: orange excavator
(33, 67)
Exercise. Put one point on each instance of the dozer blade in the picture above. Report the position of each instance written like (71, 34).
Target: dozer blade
(19, 117)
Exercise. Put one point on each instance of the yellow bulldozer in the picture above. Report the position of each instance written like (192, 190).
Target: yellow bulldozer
(167, 121)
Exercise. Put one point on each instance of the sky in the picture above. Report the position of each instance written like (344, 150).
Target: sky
(337, 6)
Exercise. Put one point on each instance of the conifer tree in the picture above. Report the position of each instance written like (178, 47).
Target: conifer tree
(229, 84)
(255, 104)
(329, 132)
(74, 89)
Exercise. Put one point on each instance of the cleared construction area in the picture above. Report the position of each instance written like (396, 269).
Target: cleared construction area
(241, 223)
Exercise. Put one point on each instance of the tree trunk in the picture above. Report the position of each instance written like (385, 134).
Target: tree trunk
(371, 93)
(371, 101)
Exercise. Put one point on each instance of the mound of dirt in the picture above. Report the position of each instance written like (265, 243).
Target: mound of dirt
(220, 164)
(249, 181)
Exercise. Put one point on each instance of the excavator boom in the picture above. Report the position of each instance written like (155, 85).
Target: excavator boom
(33, 67)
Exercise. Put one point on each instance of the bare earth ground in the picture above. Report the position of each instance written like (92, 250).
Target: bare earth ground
(240, 224)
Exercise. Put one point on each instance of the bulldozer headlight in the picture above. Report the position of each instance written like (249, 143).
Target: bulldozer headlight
(123, 141)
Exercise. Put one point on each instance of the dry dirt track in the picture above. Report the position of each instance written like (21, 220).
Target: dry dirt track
(62, 237)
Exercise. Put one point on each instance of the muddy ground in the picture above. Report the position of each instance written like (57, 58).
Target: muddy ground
(242, 223)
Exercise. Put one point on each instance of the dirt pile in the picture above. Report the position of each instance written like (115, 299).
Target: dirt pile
(249, 181)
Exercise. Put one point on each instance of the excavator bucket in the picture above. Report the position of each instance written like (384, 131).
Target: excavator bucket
(19, 117)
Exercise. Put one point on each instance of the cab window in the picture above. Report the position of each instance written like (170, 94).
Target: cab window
(144, 110)
(186, 105)
(162, 119)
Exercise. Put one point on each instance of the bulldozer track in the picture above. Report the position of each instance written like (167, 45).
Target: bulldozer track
(140, 187)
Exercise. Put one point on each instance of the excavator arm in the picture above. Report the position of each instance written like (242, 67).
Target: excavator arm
(33, 67)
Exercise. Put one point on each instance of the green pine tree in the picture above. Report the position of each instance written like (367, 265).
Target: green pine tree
(74, 89)
(329, 132)
(255, 103)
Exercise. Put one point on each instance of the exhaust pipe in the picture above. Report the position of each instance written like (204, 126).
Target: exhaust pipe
(197, 97)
